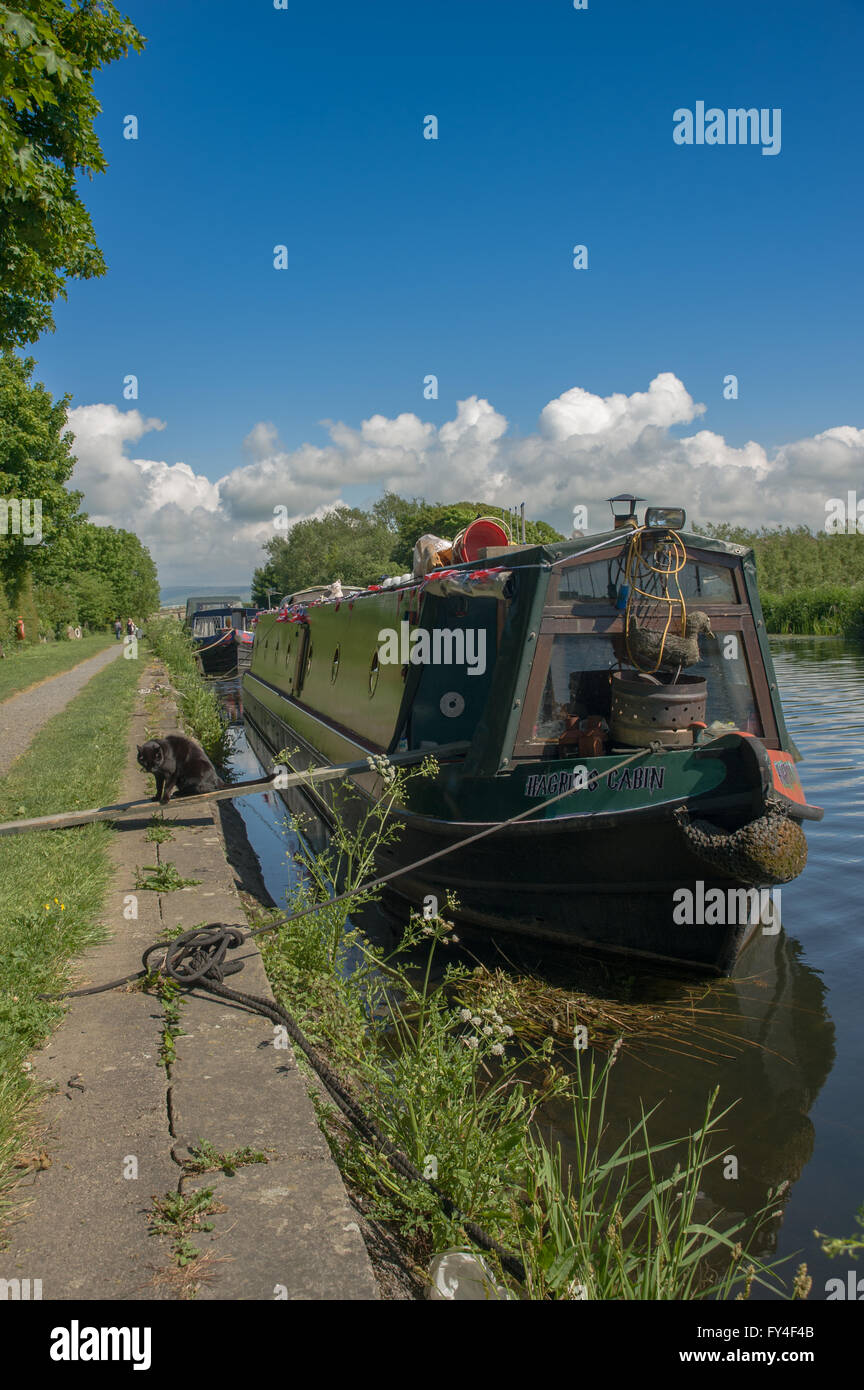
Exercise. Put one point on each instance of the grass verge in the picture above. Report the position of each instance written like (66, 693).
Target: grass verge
(52, 884)
(459, 1093)
(27, 667)
(200, 707)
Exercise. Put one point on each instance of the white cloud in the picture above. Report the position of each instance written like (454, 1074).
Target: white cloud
(586, 447)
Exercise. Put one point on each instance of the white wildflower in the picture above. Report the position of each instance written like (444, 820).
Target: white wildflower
(487, 1031)
(476, 1020)
(470, 1042)
(465, 1015)
(507, 1031)
(497, 1049)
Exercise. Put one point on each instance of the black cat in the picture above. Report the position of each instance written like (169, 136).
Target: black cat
(178, 762)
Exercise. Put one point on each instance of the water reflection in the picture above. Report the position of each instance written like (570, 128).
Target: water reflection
(773, 1048)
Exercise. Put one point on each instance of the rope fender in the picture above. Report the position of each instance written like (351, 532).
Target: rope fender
(770, 849)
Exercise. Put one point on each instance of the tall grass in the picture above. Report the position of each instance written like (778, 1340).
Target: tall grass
(199, 705)
(829, 611)
(459, 1096)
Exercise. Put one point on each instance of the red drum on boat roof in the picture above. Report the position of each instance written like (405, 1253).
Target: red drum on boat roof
(476, 537)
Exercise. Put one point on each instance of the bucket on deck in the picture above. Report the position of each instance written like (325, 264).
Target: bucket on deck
(643, 709)
(476, 536)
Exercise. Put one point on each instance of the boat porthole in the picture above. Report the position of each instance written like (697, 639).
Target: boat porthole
(452, 704)
(374, 671)
(334, 667)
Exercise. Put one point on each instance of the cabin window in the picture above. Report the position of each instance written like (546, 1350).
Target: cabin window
(374, 671)
(334, 666)
(730, 694)
(577, 682)
(602, 580)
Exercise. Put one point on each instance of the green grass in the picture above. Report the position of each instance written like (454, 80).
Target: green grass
(24, 668)
(53, 884)
(200, 706)
(459, 1094)
(823, 610)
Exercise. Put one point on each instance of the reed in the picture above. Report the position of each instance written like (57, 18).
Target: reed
(199, 705)
(825, 610)
(433, 1055)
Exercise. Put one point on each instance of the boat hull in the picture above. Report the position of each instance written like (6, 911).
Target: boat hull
(597, 883)
(224, 656)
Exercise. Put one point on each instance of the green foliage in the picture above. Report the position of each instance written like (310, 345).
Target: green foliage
(345, 544)
(162, 878)
(158, 831)
(179, 1216)
(826, 611)
(49, 53)
(204, 1157)
(107, 572)
(80, 573)
(807, 583)
(791, 557)
(359, 546)
(844, 1245)
(22, 603)
(452, 1088)
(200, 707)
(36, 462)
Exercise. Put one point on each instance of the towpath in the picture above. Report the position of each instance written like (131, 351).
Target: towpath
(138, 1082)
(23, 715)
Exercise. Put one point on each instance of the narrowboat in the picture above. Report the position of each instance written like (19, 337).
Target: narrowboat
(223, 638)
(617, 687)
(195, 603)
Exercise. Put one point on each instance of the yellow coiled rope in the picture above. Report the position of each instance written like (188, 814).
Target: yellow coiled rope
(637, 573)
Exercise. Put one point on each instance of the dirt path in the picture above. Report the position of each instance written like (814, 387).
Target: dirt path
(23, 715)
(134, 1083)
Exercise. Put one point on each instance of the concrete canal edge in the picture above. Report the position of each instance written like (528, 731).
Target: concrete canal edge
(119, 1125)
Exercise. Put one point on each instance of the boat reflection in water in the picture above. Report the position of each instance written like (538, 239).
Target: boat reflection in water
(764, 1037)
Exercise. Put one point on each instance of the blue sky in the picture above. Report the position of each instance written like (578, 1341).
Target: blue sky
(408, 256)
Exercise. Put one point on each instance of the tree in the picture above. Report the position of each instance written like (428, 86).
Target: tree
(49, 52)
(361, 547)
(108, 572)
(36, 462)
(347, 544)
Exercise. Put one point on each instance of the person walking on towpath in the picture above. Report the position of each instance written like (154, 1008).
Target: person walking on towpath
(130, 628)
(118, 629)
(20, 635)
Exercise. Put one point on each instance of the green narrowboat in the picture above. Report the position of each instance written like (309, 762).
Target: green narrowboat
(619, 686)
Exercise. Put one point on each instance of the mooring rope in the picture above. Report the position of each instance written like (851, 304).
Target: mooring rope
(197, 958)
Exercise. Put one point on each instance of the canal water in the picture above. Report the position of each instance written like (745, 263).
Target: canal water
(784, 1037)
